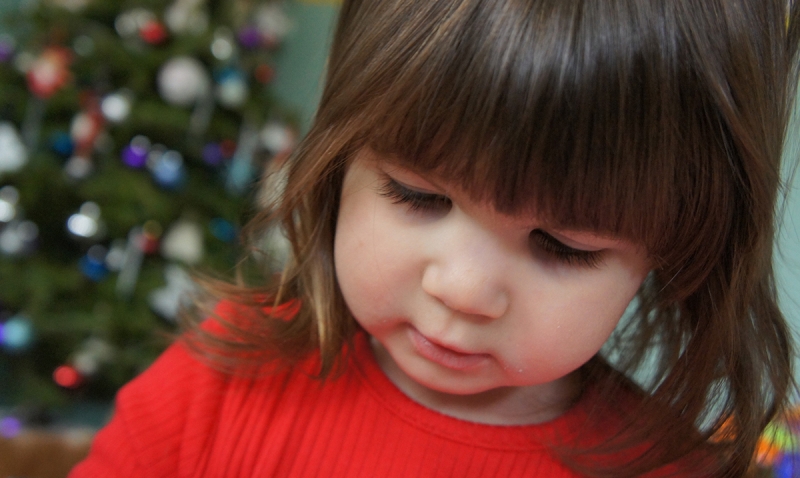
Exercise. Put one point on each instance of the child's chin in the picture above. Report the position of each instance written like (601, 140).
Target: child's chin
(456, 385)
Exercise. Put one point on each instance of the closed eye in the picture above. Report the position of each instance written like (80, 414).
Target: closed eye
(414, 199)
(564, 253)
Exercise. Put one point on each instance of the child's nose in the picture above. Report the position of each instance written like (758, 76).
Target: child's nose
(468, 282)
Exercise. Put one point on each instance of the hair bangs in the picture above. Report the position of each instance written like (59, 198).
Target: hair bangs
(602, 117)
(585, 133)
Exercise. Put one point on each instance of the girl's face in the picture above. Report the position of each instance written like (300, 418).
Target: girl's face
(461, 299)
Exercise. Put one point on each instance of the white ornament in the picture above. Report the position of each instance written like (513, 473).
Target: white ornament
(116, 255)
(86, 364)
(183, 80)
(18, 238)
(168, 300)
(9, 197)
(130, 22)
(13, 154)
(223, 46)
(92, 354)
(84, 128)
(186, 16)
(276, 137)
(232, 90)
(116, 107)
(183, 242)
(272, 21)
(78, 168)
(86, 223)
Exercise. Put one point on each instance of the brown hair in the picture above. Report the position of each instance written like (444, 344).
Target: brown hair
(659, 121)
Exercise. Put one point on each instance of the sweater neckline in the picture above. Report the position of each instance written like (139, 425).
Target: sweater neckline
(561, 429)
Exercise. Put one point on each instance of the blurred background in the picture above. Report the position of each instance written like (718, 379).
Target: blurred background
(131, 136)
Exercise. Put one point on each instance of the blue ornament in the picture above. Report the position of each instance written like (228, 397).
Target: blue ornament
(16, 334)
(93, 264)
(222, 229)
(168, 170)
(62, 144)
(232, 89)
(212, 154)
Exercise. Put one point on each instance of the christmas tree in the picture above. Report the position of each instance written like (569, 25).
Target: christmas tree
(131, 137)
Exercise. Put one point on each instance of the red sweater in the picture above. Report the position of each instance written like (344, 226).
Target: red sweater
(183, 419)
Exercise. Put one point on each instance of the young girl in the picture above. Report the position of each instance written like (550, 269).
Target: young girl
(488, 186)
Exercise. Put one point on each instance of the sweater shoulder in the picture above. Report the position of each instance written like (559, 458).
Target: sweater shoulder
(156, 418)
(163, 418)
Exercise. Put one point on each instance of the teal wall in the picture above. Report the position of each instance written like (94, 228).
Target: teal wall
(301, 60)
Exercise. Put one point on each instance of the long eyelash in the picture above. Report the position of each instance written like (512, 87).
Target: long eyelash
(564, 253)
(415, 200)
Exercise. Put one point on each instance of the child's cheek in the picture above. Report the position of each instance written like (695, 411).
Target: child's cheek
(362, 259)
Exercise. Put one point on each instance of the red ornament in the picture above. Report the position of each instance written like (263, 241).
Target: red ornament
(153, 32)
(68, 377)
(87, 125)
(228, 147)
(50, 72)
(149, 240)
(264, 73)
(149, 244)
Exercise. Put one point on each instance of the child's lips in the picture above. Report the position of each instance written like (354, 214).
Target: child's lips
(443, 355)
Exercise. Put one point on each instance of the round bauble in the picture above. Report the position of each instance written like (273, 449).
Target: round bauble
(183, 242)
(183, 80)
(16, 334)
(135, 154)
(276, 137)
(78, 167)
(168, 169)
(68, 376)
(13, 153)
(223, 46)
(273, 23)
(116, 107)
(19, 238)
(49, 72)
(232, 89)
(86, 223)
(186, 17)
(93, 264)
(9, 197)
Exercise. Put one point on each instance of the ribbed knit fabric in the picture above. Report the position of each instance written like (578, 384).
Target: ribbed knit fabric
(182, 419)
